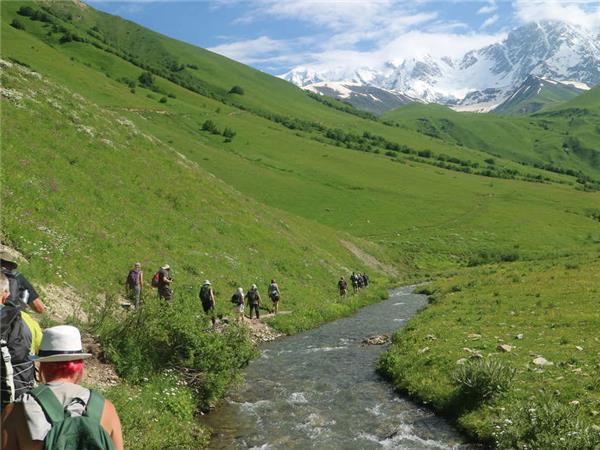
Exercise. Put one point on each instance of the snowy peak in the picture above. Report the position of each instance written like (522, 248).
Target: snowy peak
(482, 79)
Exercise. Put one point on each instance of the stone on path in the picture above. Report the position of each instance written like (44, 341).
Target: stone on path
(505, 348)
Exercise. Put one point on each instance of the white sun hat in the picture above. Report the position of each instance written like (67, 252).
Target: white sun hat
(61, 343)
(206, 283)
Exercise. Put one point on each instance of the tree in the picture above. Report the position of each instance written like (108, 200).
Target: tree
(228, 133)
(237, 90)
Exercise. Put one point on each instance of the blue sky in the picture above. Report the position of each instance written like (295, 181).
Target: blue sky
(277, 35)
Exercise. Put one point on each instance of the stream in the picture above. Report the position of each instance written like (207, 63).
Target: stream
(319, 390)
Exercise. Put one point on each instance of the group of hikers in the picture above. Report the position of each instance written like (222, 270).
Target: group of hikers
(357, 280)
(46, 406)
(162, 281)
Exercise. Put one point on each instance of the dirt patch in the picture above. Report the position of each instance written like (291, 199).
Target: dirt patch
(370, 260)
(62, 302)
(98, 373)
(259, 330)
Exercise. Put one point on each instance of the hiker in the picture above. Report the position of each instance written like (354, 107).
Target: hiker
(17, 344)
(207, 298)
(274, 295)
(164, 280)
(238, 304)
(360, 280)
(343, 287)
(43, 417)
(21, 290)
(134, 283)
(366, 278)
(354, 281)
(253, 300)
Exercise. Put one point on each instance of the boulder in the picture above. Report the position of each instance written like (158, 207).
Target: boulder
(541, 361)
(377, 340)
(505, 348)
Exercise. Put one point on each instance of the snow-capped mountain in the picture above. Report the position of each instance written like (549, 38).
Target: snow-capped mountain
(483, 78)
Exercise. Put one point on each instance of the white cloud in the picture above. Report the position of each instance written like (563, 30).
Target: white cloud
(253, 50)
(488, 9)
(490, 21)
(582, 13)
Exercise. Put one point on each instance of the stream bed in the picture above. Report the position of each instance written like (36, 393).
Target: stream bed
(319, 390)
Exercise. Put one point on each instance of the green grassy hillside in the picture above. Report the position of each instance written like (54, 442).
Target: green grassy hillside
(536, 94)
(558, 138)
(139, 151)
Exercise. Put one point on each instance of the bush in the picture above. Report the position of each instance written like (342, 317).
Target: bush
(545, 423)
(228, 133)
(17, 24)
(26, 11)
(158, 336)
(146, 80)
(237, 90)
(163, 100)
(210, 126)
(482, 379)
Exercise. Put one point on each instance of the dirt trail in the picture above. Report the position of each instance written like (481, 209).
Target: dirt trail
(370, 260)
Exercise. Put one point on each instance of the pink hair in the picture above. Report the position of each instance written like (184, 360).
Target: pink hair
(63, 369)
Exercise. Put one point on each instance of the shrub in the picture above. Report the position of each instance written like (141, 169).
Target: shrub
(158, 336)
(146, 80)
(490, 161)
(482, 379)
(545, 423)
(163, 100)
(17, 24)
(237, 90)
(26, 11)
(228, 133)
(210, 126)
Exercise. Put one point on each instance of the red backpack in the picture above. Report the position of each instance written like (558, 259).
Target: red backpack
(155, 280)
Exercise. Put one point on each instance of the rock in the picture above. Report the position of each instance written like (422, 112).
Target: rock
(473, 353)
(424, 350)
(574, 402)
(519, 336)
(431, 337)
(474, 336)
(594, 413)
(505, 348)
(461, 361)
(540, 361)
(579, 348)
(377, 340)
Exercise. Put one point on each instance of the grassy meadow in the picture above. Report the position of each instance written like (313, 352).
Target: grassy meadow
(120, 144)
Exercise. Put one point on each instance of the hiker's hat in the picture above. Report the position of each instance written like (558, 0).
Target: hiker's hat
(206, 283)
(137, 264)
(61, 343)
(7, 260)
(166, 267)
(254, 286)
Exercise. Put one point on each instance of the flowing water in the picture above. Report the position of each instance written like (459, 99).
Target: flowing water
(319, 390)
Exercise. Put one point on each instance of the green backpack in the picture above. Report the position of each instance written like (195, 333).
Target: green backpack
(73, 432)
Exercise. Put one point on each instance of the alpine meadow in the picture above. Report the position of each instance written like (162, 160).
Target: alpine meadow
(120, 144)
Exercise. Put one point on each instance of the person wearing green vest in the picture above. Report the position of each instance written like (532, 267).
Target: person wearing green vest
(61, 414)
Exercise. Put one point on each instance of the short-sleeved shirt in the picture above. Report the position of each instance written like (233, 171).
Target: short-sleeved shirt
(36, 332)
(24, 285)
(162, 274)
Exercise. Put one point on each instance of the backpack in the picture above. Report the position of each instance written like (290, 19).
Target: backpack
(73, 432)
(205, 294)
(133, 278)
(18, 372)
(251, 296)
(155, 280)
(237, 299)
(275, 295)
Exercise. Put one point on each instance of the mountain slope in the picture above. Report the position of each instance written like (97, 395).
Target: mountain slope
(483, 78)
(536, 93)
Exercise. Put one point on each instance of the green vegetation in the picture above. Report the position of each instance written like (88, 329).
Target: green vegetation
(508, 395)
(243, 186)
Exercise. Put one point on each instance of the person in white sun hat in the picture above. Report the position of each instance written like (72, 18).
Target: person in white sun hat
(38, 419)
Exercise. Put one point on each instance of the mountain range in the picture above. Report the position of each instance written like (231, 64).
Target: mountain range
(480, 81)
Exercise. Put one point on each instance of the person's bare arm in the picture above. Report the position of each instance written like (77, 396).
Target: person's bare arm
(37, 306)
(141, 280)
(112, 424)
(15, 434)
